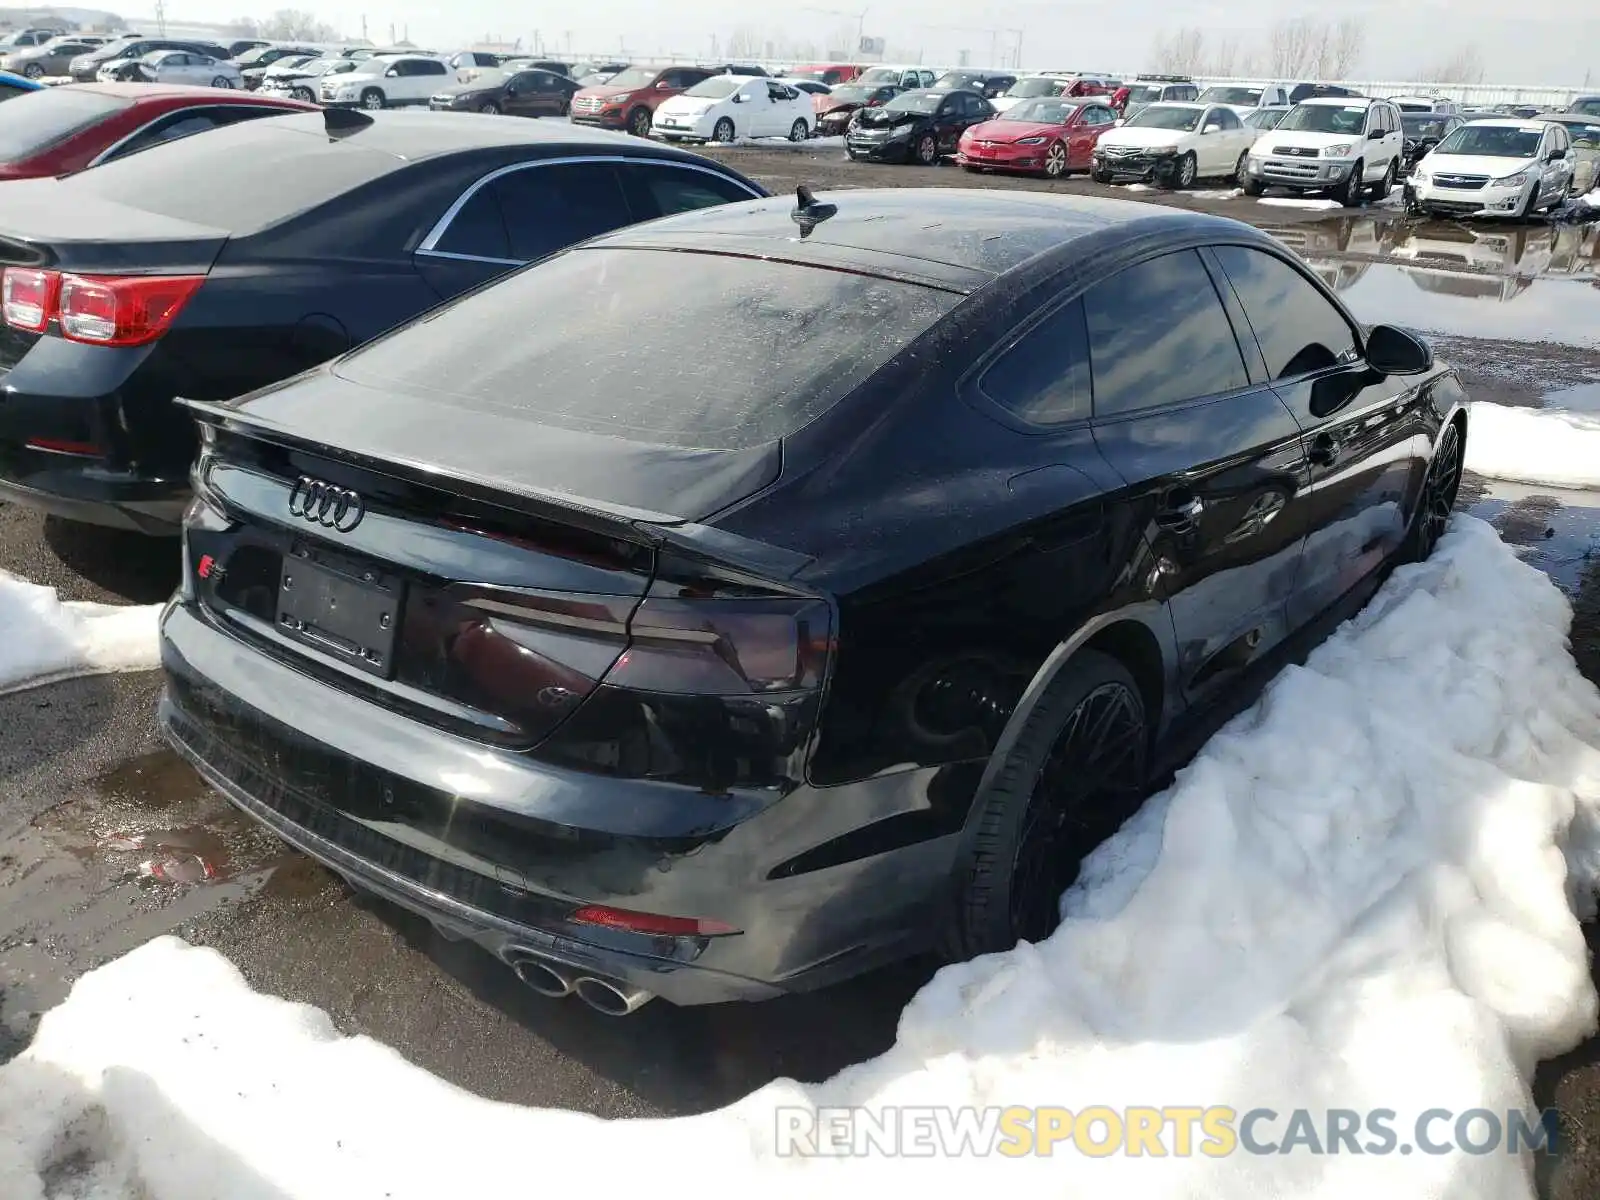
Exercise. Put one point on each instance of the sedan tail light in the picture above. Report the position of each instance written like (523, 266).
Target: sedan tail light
(102, 310)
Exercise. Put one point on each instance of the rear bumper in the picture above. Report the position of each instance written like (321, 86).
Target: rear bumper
(362, 789)
(95, 498)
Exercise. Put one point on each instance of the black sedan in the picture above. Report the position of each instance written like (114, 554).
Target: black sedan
(918, 126)
(530, 93)
(215, 264)
(718, 610)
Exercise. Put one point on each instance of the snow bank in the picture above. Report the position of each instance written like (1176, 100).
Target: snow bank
(1551, 446)
(1359, 895)
(1299, 202)
(43, 638)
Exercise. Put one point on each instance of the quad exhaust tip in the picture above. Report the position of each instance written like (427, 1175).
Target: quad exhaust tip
(555, 980)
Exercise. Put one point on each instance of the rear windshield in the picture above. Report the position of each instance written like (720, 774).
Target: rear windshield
(680, 349)
(40, 119)
(273, 173)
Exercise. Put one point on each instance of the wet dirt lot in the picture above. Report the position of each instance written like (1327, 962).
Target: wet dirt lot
(106, 840)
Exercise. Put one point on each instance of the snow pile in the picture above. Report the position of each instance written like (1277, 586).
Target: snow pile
(43, 638)
(1360, 895)
(1299, 202)
(1551, 446)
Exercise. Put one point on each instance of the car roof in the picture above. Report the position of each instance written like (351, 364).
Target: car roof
(158, 91)
(1527, 125)
(414, 136)
(957, 238)
(1184, 104)
(1343, 101)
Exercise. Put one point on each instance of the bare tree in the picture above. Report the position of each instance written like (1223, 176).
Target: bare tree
(743, 42)
(1344, 51)
(1223, 61)
(1181, 52)
(1294, 45)
(294, 25)
(1464, 66)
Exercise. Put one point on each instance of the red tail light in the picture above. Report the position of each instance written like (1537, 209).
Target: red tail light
(103, 310)
(28, 297)
(637, 922)
(725, 647)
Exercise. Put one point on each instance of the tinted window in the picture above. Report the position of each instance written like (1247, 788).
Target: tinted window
(167, 129)
(662, 191)
(548, 208)
(1158, 333)
(42, 118)
(604, 332)
(1044, 378)
(1295, 326)
(9, 91)
(1226, 118)
(477, 229)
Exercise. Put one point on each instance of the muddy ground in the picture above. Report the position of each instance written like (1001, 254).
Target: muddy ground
(100, 828)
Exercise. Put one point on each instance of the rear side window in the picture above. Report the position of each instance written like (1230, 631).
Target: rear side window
(548, 208)
(1295, 326)
(661, 191)
(40, 119)
(1158, 334)
(1044, 378)
(671, 348)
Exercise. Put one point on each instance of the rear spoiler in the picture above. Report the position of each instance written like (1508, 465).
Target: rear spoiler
(661, 531)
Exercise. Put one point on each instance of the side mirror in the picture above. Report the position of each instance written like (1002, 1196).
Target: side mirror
(1377, 133)
(1557, 155)
(663, 86)
(1212, 129)
(1396, 351)
(392, 73)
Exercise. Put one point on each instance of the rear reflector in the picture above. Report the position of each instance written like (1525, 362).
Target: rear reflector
(62, 446)
(28, 297)
(637, 922)
(103, 310)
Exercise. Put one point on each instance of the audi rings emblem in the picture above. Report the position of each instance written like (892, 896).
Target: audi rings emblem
(326, 504)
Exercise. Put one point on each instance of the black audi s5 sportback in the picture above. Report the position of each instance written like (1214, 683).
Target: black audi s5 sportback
(733, 603)
(221, 262)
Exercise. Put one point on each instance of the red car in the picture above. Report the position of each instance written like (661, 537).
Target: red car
(64, 129)
(829, 73)
(629, 99)
(1050, 136)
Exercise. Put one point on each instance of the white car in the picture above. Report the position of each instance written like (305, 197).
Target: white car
(386, 82)
(188, 66)
(725, 107)
(1351, 147)
(302, 82)
(1173, 144)
(1031, 87)
(1506, 168)
(1246, 99)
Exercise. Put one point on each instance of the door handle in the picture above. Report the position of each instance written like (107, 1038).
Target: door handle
(1179, 509)
(1324, 450)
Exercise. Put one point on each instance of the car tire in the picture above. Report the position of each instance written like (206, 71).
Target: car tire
(723, 130)
(1351, 193)
(1056, 160)
(1004, 888)
(1240, 167)
(927, 151)
(373, 99)
(800, 131)
(1525, 213)
(1100, 176)
(222, 81)
(1381, 189)
(639, 122)
(33, 71)
(1182, 174)
(301, 93)
(1254, 187)
(1440, 487)
(490, 108)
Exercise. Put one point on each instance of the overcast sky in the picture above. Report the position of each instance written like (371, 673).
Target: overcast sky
(1547, 44)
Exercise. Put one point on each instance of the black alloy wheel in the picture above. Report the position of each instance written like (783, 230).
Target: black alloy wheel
(1075, 774)
(490, 107)
(639, 122)
(1438, 494)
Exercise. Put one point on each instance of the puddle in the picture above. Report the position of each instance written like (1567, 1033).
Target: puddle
(147, 849)
(1554, 529)
(1581, 398)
